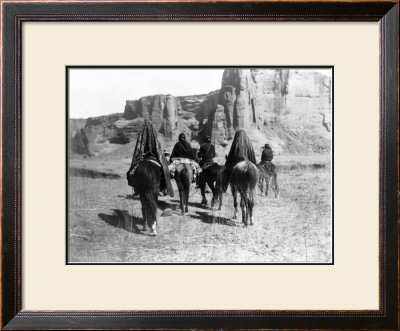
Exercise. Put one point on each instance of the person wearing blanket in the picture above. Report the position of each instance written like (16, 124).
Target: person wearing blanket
(183, 153)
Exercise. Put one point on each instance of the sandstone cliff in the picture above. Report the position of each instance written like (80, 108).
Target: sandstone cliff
(290, 109)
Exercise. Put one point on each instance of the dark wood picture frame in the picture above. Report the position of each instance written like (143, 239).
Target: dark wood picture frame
(13, 16)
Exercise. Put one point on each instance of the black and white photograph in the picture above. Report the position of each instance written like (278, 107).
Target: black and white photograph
(200, 165)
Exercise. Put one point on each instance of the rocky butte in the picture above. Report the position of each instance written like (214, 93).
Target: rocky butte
(290, 109)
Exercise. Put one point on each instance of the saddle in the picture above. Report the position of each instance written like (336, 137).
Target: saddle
(177, 161)
(134, 166)
(153, 160)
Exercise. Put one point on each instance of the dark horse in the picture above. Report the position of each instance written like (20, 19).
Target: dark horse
(212, 175)
(146, 183)
(183, 177)
(269, 175)
(242, 174)
(243, 179)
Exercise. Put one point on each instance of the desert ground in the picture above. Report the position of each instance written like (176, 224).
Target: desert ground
(105, 220)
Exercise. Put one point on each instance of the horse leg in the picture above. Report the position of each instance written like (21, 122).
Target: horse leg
(153, 215)
(217, 193)
(144, 211)
(234, 192)
(243, 206)
(275, 184)
(181, 198)
(203, 188)
(214, 192)
(220, 200)
(185, 179)
(267, 184)
(186, 194)
(186, 201)
(261, 183)
(250, 204)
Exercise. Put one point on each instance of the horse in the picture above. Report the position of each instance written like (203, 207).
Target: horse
(211, 175)
(269, 175)
(243, 179)
(183, 177)
(146, 182)
(242, 175)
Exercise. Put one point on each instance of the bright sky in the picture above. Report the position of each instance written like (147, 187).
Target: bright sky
(95, 92)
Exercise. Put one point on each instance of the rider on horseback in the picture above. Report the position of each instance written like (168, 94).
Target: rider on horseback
(241, 149)
(267, 154)
(267, 171)
(182, 149)
(206, 155)
(207, 152)
(149, 148)
(183, 153)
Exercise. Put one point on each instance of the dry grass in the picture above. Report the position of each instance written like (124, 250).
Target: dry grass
(105, 223)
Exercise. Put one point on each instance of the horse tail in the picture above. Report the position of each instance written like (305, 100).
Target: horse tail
(146, 182)
(184, 178)
(183, 181)
(253, 181)
(149, 207)
(152, 207)
(223, 179)
(147, 178)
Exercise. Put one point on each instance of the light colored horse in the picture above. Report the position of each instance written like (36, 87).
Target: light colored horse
(183, 178)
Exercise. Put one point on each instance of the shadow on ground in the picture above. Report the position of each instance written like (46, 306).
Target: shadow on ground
(129, 197)
(122, 220)
(163, 204)
(81, 172)
(212, 219)
(191, 204)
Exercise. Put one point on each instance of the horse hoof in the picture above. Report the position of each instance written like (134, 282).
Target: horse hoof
(153, 233)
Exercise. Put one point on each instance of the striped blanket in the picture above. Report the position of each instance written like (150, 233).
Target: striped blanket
(176, 161)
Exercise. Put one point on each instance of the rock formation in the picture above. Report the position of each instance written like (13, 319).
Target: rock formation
(220, 127)
(291, 109)
(249, 94)
(80, 143)
(161, 110)
(227, 98)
